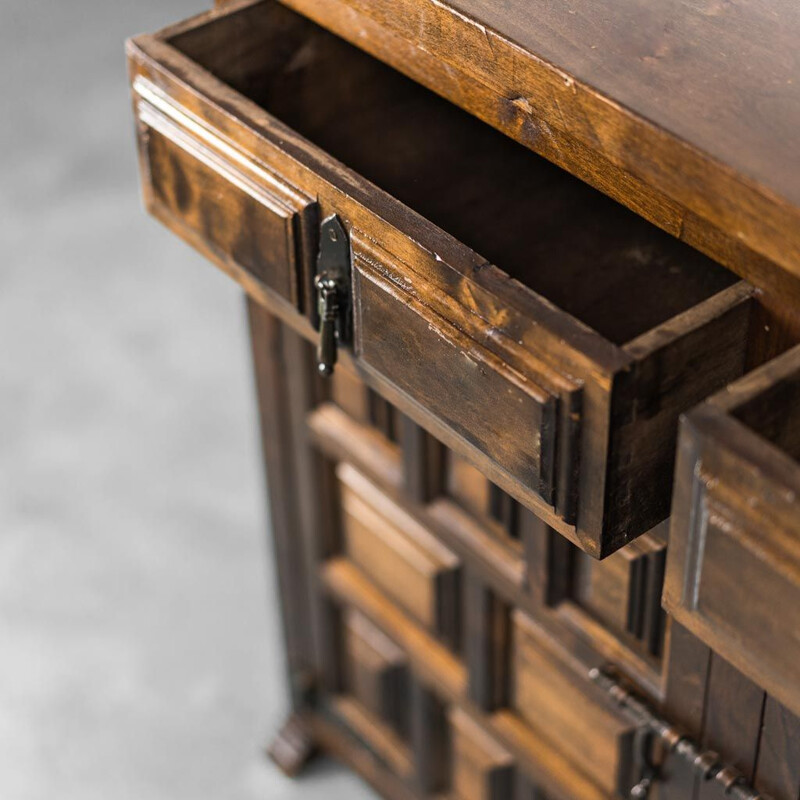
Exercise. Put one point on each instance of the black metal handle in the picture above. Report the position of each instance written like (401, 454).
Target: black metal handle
(328, 307)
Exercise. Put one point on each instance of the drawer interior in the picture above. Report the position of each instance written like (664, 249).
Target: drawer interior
(584, 252)
(774, 414)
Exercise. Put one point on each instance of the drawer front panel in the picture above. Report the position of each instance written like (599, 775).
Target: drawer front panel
(733, 569)
(550, 695)
(473, 393)
(398, 555)
(215, 195)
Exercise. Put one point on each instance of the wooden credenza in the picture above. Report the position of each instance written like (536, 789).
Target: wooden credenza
(523, 281)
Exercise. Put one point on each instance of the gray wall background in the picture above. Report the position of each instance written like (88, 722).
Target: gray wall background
(140, 652)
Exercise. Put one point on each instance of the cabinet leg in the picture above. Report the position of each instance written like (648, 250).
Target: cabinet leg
(293, 746)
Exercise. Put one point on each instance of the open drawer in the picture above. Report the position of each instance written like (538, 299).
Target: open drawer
(733, 569)
(560, 372)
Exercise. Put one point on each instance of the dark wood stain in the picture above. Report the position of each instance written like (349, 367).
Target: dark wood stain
(480, 186)
(529, 328)
(601, 89)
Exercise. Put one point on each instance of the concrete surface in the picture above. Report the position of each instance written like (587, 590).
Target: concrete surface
(140, 654)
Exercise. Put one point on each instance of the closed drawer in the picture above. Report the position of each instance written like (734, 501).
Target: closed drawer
(536, 327)
(733, 568)
(554, 695)
(399, 555)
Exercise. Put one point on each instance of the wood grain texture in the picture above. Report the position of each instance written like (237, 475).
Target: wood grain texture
(688, 664)
(344, 440)
(545, 336)
(266, 335)
(678, 365)
(498, 564)
(681, 667)
(687, 667)
(614, 108)
(316, 501)
(550, 767)
(623, 591)
(250, 216)
(431, 360)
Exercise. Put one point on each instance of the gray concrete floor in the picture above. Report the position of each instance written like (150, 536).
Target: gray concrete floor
(140, 652)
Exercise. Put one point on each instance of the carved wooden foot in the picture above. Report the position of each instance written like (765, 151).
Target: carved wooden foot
(293, 746)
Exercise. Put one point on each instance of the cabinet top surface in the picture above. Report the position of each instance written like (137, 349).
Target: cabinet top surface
(722, 75)
(697, 100)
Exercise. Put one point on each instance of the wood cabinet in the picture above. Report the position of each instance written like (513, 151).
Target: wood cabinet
(486, 276)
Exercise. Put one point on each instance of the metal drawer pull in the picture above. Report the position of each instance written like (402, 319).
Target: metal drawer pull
(332, 283)
(650, 724)
(328, 310)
